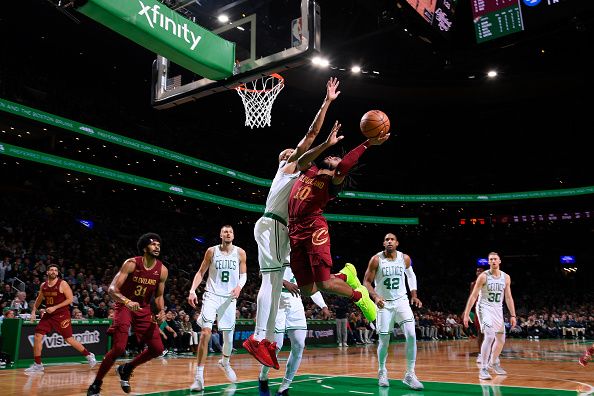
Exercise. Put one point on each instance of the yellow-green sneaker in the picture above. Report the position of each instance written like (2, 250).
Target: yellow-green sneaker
(351, 273)
(366, 305)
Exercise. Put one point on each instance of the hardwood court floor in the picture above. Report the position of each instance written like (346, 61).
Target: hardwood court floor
(547, 367)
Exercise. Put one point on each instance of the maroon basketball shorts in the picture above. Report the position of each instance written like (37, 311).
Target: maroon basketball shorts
(143, 325)
(59, 322)
(311, 260)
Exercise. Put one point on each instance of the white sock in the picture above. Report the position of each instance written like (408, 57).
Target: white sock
(200, 371)
(267, 304)
(411, 345)
(227, 345)
(486, 347)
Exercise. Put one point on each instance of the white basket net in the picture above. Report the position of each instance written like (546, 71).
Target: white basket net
(257, 97)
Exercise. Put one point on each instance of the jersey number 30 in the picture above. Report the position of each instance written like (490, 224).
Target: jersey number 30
(494, 297)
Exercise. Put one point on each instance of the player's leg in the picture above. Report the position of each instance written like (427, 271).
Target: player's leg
(205, 321)
(406, 320)
(385, 325)
(279, 338)
(119, 332)
(226, 323)
(496, 351)
(587, 356)
(488, 340)
(37, 366)
(297, 338)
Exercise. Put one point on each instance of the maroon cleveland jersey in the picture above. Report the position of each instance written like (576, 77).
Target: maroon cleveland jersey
(53, 296)
(141, 284)
(309, 195)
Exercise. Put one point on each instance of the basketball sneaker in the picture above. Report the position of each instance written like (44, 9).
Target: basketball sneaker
(91, 359)
(35, 368)
(198, 384)
(484, 374)
(383, 378)
(263, 388)
(259, 350)
(585, 358)
(365, 304)
(124, 372)
(498, 369)
(229, 373)
(283, 393)
(271, 346)
(412, 381)
(94, 390)
(351, 274)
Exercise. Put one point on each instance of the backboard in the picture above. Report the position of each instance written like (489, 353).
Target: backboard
(269, 35)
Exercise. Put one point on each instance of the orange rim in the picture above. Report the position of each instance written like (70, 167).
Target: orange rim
(275, 75)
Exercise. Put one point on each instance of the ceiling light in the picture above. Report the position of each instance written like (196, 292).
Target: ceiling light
(356, 69)
(492, 74)
(240, 28)
(223, 18)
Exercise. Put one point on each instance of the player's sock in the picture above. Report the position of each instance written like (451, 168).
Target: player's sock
(341, 276)
(37, 359)
(356, 296)
(382, 350)
(86, 352)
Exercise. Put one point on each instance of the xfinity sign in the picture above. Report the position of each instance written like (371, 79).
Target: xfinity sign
(166, 23)
(160, 29)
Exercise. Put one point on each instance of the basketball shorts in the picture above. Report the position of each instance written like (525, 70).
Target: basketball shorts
(395, 311)
(142, 322)
(219, 308)
(272, 238)
(311, 260)
(58, 322)
(290, 315)
(490, 317)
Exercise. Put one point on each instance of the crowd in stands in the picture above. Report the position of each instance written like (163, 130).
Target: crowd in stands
(34, 235)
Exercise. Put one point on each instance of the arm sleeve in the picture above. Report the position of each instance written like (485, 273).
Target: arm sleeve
(350, 159)
(242, 280)
(411, 278)
(318, 300)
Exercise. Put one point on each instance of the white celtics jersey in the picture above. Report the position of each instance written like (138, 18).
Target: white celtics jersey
(278, 196)
(491, 294)
(389, 278)
(223, 273)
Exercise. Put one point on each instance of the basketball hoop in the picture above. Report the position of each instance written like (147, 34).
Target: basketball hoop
(258, 99)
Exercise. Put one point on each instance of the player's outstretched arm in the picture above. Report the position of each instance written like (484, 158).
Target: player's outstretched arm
(314, 129)
(192, 298)
(480, 281)
(509, 301)
(306, 159)
(369, 278)
(118, 281)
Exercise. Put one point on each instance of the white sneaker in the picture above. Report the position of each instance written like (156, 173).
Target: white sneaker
(91, 359)
(412, 381)
(197, 385)
(498, 369)
(344, 344)
(35, 368)
(229, 373)
(383, 378)
(484, 374)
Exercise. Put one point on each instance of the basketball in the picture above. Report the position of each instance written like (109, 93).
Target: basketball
(374, 122)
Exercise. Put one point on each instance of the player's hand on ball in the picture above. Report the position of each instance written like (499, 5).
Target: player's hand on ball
(192, 299)
(379, 139)
(416, 302)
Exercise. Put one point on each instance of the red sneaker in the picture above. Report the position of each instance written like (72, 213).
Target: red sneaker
(272, 351)
(259, 350)
(585, 358)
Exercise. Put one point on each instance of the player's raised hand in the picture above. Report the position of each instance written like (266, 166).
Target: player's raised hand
(333, 137)
(379, 139)
(331, 89)
(192, 299)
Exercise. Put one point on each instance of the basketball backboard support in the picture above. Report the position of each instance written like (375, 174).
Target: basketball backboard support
(269, 35)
